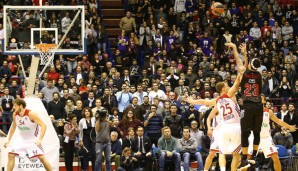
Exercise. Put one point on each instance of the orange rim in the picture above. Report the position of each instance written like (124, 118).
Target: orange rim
(45, 47)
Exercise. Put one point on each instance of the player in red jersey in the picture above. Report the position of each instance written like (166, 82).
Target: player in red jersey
(32, 130)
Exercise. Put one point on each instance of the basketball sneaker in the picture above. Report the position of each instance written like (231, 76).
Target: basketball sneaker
(245, 164)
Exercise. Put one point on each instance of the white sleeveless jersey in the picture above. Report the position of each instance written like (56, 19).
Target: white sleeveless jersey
(29, 131)
(265, 130)
(228, 110)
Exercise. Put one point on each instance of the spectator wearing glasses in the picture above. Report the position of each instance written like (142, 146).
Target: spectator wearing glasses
(153, 124)
(191, 115)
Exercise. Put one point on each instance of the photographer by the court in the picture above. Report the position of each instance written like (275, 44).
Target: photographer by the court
(103, 140)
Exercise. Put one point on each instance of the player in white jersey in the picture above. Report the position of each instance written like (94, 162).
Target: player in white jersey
(32, 130)
(266, 143)
(229, 136)
(230, 132)
(215, 127)
(232, 115)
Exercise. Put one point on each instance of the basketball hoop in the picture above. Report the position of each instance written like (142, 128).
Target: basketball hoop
(46, 52)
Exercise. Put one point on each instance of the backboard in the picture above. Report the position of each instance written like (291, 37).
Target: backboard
(25, 26)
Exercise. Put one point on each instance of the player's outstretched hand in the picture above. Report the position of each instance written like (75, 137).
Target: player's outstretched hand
(292, 128)
(38, 142)
(231, 45)
(6, 144)
(241, 69)
(243, 48)
(189, 99)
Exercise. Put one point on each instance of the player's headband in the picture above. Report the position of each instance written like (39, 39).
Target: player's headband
(252, 65)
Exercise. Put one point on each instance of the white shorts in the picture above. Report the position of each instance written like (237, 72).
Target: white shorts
(229, 138)
(214, 144)
(23, 149)
(266, 145)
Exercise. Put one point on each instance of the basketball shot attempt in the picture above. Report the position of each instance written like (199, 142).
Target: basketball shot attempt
(32, 130)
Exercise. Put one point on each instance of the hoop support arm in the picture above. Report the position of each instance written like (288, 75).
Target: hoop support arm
(22, 66)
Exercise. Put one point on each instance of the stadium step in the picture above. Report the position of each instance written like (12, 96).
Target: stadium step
(113, 11)
(112, 23)
(111, 4)
(113, 32)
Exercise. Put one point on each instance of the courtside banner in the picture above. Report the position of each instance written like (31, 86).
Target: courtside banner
(50, 142)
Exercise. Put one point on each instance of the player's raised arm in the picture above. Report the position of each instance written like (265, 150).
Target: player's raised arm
(235, 54)
(237, 82)
(211, 102)
(34, 117)
(244, 53)
(292, 128)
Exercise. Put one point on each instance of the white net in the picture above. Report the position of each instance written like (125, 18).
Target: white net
(45, 57)
(46, 51)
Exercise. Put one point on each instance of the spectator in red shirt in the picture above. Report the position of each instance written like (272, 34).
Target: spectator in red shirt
(264, 29)
(206, 89)
(53, 75)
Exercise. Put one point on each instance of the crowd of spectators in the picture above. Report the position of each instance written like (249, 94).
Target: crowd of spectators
(166, 51)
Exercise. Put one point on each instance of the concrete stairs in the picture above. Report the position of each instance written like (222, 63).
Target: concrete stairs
(112, 11)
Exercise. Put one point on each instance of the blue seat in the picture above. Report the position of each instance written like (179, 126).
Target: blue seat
(294, 162)
(282, 152)
(199, 149)
(283, 156)
(154, 151)
(293, 150)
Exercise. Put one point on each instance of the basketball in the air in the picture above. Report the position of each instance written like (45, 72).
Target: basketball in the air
(106, 56)
(217, 8)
